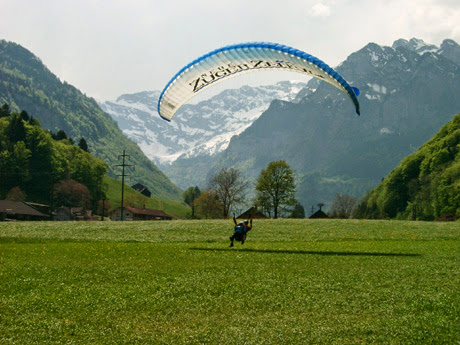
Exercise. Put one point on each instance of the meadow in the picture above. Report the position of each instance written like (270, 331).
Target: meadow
(178, 282)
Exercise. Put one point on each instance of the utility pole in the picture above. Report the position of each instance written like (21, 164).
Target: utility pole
(123, 165)
(102, 195)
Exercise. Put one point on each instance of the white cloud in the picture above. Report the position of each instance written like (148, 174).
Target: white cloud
(106, 48)
(320, 10)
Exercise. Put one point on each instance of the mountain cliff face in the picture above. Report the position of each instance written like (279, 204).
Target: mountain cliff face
(408, 91)
(186, 147)
(27, 84)
(197, 129)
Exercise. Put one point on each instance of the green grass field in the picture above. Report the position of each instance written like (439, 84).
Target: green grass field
(292, 282)
(177, 209)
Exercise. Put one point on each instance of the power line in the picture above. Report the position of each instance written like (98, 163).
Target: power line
(123, 166)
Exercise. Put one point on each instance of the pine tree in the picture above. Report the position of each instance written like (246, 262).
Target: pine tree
(83, 145)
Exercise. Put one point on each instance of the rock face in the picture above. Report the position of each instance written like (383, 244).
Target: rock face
(408, 91)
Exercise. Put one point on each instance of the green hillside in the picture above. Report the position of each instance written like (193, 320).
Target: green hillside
(33, 161)
(176, 209)
(425, 185)
(27, 84)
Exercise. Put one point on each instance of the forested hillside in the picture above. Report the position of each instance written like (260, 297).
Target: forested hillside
(34, 161)
(425, 186)
(26, 83)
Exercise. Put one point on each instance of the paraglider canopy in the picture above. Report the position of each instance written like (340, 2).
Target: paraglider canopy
(236, 59)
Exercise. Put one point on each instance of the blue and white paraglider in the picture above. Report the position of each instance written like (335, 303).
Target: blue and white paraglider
(234, 60)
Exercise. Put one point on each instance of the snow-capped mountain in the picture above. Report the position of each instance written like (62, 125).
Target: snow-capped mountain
(204, 128)
(408, 92)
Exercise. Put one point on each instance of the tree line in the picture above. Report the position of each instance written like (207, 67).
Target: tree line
(275, 191)
(41, 166)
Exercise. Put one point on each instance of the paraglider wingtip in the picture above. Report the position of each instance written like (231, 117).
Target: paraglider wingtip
(165, 118)
(355, 90)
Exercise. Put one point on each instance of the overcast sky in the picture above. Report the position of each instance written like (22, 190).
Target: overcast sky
(110, 47)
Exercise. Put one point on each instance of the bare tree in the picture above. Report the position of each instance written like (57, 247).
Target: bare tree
(229, 186)
(342, 206)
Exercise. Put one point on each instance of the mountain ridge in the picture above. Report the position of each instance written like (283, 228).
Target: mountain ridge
(27, 84)
(403, 104)
(202, 128)
(409, 85)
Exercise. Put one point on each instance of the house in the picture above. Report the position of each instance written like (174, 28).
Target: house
(141, 189)
(134, 213)
(17, 210)
(65, 213)
(318, 214)
(45, 209)
(254, 212)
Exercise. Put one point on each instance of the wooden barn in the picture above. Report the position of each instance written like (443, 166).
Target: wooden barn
(135, 213)
(142, 189)
(16, 210)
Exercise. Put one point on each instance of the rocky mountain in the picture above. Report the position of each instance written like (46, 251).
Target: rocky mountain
(27, 84)
(199, 131)
(408, 92)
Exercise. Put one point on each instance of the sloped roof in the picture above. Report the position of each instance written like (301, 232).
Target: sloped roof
(318, 214)
(147, 212)
(256, 214)
(139, 187)
(17, 207)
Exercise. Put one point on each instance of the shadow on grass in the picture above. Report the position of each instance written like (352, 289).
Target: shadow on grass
(303, 252)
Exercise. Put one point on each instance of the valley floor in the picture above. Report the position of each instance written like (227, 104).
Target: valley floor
(178, 282)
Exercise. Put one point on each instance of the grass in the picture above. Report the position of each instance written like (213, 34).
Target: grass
(293, 282)
(177, 209)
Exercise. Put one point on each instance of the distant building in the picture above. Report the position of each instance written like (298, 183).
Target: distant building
(134, 213)
(45, 209)
(318, 214)
(16, 210)
(254, 212)
(65, 213)
(142, 189)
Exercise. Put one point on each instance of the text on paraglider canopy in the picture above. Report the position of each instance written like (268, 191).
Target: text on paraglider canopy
(220, 72)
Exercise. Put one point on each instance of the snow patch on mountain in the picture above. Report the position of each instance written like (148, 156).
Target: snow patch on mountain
(204, 128)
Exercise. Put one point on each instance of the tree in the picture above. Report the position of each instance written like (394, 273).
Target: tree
(25, 116)
(60, 135)
(16, 194)
(41, 164)
(229, 187)
(83, 145)
(298, 211)
(342, 206)
(16, 130)
(264, 203)
(72, 194)
(276, 183)
(190, 194)
(208, 205)
(5, 110)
